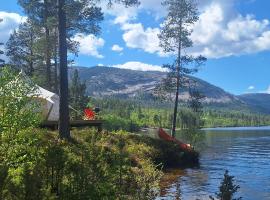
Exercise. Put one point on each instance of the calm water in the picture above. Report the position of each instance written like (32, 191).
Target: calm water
(245, 152)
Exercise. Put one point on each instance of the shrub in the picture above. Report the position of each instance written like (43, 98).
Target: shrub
(227, 188)
(91, 166)
(17, 109)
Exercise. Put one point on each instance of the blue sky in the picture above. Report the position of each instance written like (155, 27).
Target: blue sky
(233, 34)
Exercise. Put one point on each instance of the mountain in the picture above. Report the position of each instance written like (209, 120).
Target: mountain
(106, 81)
(260, 101)
(125, 83)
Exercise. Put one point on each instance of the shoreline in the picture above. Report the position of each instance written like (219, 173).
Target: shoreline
(235, 128)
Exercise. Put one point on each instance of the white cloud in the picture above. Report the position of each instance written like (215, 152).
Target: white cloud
(136, 36)
(121, 13)
(267, 91)
(89, 44)
(220, 32)
(126, 14)
(133, 65)
(117, 48)
(251, 87)
(153, 6)
(10, 21)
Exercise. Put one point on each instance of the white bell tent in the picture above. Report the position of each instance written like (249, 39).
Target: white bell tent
(49, 102)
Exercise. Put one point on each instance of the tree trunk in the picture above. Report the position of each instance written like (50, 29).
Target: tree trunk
(177, 89)
(48, 59)
(64, 131)
(56, 90)
(47, 51)
(31, 64)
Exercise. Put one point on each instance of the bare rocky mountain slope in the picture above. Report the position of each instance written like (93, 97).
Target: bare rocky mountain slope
(125, 83)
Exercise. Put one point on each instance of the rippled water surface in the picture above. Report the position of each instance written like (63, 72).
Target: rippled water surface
(245, 152)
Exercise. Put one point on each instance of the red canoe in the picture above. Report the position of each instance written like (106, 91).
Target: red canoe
(165, 136)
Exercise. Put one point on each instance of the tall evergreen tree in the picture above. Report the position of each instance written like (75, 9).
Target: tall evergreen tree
(72, 17)
(43, 14)
(95, 17)
(64, 131)
(175, 38)
(77, 97)
(195, 101)
(1, 52)
(20, 47)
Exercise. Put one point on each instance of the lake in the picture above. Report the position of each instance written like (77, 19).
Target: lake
(245, 152)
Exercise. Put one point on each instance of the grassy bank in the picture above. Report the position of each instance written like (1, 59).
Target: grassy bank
(92, 165)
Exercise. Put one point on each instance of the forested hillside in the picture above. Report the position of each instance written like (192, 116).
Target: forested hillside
(123, 83)
(132, 115)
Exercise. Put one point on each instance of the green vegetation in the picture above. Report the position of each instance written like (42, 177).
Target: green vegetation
(91, 166)
(17, 108)
(39, 166)
(36, 164)
(1, 52)
(77, 98)
(218, 118)
(131, 115)
(227, 188)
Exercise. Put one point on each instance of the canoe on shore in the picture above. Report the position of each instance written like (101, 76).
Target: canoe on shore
(167, 137)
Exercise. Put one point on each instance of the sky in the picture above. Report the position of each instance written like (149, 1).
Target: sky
(234, 36)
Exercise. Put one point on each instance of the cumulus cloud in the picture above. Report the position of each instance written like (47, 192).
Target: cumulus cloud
(251, 87)
(153, 6)
(220, 32)
(267, 91)
(126, 14)
(89, 45)
(117, 48)
(136, 36)
(10, 21)
(133, 65)
(121, 13)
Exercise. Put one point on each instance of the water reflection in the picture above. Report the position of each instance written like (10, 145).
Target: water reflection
(245, 153)
(170, 184)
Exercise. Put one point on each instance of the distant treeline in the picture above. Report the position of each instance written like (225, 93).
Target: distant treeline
(219, 118)
(131, 115)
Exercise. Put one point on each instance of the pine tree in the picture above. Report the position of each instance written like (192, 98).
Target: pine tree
(227, 188)
(20, 48)
(196, 106)
(94, 17)
(43, 15)
(174, 39)
(72, 17)
(2, 62)
(77, 97)
(64, 131)
(1, 52)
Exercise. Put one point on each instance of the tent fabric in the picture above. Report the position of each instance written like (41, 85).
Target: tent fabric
(49, 100)
(49, 103)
